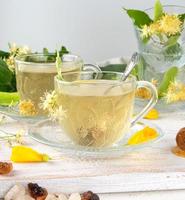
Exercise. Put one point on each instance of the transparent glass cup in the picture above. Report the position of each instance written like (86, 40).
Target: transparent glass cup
(158, 55)
(97, 108)
(35, 74)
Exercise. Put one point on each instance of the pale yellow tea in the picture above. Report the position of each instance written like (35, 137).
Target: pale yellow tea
(93, 117)
(34, 81)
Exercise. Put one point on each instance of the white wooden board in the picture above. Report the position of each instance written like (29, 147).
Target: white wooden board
(154, 168)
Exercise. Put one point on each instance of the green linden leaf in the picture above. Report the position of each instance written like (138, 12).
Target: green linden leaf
(182, 17)
(4, 54)
(139, 69)
(169, 76)
(45, 51)
(114, 67)
(63, 50)
(139, 17)
(7, 98)
(158, 10)
(172, 40)
(5, 73)
(146, 39)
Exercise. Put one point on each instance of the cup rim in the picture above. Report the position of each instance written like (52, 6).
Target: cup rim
(153, 54)
(130, 79)
(166, 6)
(19, 59)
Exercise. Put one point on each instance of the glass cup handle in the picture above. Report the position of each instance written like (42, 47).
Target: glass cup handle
(151, 103)
(91, 67)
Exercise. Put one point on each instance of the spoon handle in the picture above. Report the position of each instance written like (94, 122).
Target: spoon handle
(133, 61)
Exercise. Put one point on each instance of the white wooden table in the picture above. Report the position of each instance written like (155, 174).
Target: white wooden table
(131, 176)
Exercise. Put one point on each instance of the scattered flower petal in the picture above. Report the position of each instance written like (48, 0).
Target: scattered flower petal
(144, 135)
(27, 154)
(152, 114)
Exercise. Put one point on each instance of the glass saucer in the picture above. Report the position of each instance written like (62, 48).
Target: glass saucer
(49, 133)
(13, 113)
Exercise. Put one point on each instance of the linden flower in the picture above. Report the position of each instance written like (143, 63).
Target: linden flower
(13, 48)
(14, 51)
(58, 114)
(19, 137)
(49, 101)
(175, 92)
(145, 93)
(27, 108)
(24, 50)
(150, 30)
(154, 82)
(145, 31)
(18, 50)
(16, 139)
(11, 62)
(49, 104)
(170, 24)
(11, 138)
(155, 28)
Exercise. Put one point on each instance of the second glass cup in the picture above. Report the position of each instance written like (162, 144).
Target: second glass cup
(35, 74)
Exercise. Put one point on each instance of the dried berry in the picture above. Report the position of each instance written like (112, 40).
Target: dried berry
(89, 196)
(5, 168)
(95, 197)
(180, 139)
(37, 192)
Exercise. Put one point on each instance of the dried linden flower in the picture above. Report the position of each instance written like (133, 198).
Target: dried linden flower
(27, 108)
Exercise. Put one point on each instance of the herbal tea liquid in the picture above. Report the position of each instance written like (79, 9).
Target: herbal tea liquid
(95, 119)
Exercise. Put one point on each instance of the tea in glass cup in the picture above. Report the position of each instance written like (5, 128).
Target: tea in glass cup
(35, 75)
(93, 116)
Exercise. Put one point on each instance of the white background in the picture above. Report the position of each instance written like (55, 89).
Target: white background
(94, 29)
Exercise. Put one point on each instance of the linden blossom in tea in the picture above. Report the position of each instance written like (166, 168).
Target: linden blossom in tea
(35, 75)
(92, 117)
